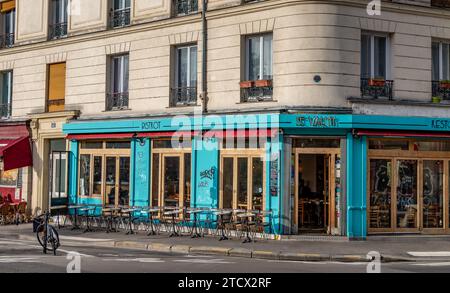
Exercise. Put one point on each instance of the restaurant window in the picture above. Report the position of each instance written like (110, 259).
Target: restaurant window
(384, 144)
(58, 19)
(120, 13)
(172, 143)
(8, 17)
(56, 89)
(117, 96)
(85, 175)
(9, 178)
(91, 145)
(380, 195)
(257, 81)
(184, 88)
(317, 143)
(433, 194)
(6, 80)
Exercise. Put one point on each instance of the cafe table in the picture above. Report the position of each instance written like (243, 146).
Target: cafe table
(172, 214)
(75, 208)
(194, 212)
(111, 210)
(130, 212)
(86, 211)
(221, 222)
(245, 218)
(150, 212)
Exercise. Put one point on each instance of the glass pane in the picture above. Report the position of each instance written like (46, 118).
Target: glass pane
(257, 184)
(365, 56)
(433, 194)
(124, 181)
(437, 146)
(267, 61)
(125, 73)
(380, 57)
(91, 145)
(171, 181)
(407, 194)
(85, 169)
(445, 62)
(182, 67)
(254, 55)
(242, 187)
(97, 184)
(380, 193)
(155, 180)
(435, 61)
(382, 144)
(317, 143)
(193, 66)
(118, 145)
(110, 181)
(228, 175)
(187, 180)
(9, 178)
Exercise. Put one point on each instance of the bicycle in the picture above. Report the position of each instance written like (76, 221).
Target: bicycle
(46, 233)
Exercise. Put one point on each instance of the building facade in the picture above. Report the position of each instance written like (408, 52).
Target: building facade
(332, 114)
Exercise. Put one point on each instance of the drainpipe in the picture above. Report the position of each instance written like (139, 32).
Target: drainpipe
(204, 95)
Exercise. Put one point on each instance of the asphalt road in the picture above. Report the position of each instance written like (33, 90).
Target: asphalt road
(26, 256)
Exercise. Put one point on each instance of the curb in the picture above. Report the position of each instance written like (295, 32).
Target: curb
(224, 251)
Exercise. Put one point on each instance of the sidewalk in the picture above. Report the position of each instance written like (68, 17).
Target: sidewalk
(391, 248)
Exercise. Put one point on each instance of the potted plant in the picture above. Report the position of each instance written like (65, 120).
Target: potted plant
(246, 84)
(436, 100)
(263, 83)
(444, 84)
(378, 82)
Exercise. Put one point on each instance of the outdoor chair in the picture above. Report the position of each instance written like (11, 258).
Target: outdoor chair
(5, 214)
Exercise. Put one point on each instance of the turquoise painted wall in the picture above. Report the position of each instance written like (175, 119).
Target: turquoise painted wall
(356, 187)
(205, 167)
(140, 162)
(275, 181)
(73, 172)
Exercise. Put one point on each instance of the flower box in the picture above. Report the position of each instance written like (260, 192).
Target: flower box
(444, 84)
(263, 83)
(246, 84)
(377, 82)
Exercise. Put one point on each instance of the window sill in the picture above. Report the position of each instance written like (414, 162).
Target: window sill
(258, 102)
(116, 110)
(183, 106)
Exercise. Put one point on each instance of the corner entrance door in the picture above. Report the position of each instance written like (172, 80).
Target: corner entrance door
(117, 181)
(316, 190)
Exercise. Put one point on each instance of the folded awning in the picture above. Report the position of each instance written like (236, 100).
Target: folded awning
(16, 153)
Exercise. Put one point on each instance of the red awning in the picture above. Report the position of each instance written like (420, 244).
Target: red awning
(402, 134)
(16, 153)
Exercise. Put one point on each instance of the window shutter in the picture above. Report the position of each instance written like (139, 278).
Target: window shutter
(56, 87)
(8, 6)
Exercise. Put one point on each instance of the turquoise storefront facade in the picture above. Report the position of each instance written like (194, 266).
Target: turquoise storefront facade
(206, 155)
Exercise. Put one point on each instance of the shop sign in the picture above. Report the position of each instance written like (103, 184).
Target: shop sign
(440, 124)
(151, 125)
(317, 121)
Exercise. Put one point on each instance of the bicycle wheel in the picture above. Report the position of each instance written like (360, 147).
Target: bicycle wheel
(51, 242)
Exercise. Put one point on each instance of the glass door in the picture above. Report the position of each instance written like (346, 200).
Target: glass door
(111, 181)
(380, 194)
(228, 183)
(171, 181)
(117, 180)
(124, 181)
(407, 195)
(433, 194)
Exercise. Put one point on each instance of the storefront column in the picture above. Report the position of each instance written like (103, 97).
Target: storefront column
(275, 183)
(73, 171)
(205, 171)
(356, 187)
(139, 172)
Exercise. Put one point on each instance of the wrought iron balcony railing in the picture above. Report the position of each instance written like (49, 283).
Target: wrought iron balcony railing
(117, 101)
(440, 89)
(185, 7)
(256, 91)
(120, 17)
(377, 88)
(183, 96)
(57, 31)
(5, 110)
(7, 40)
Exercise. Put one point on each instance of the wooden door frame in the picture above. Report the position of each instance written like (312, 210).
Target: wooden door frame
(180, 156)
(248, 154)
(331, 153)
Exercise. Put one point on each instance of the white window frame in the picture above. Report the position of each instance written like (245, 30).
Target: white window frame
(122, 5)
(441, 59)
(372, 53)
(12, 23)
(10, 81)
(261, 53)
(121, 75)
(177, 56)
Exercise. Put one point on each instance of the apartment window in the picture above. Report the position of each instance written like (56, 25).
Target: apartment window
(375, 66)
(441, 70)
(120, 13)
(58, 19)
(8, 16)
(56, 87)
(185, 7)
(257, 84)
(184, 91)
(6, 94)
(117, 97)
